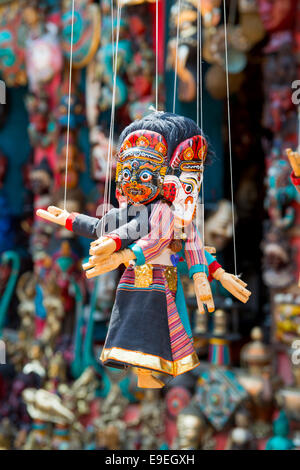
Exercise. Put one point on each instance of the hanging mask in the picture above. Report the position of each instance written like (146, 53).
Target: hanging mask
(87, 28)
(142, 166)
(183, 186)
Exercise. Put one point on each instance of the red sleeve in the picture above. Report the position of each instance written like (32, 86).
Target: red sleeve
(212, 268)
(70, 220)
(296, 181)
(117, 240)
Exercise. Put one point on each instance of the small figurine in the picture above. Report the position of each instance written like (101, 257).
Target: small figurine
(281, 430)
(241, 437)
(192, 428)
(288, 397)
(26, 309)
(257, 379)
(218, 226)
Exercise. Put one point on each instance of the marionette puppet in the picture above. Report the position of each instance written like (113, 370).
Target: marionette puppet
(181, 188)
(156, 340)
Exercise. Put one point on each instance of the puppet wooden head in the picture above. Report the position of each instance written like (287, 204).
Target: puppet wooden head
(142, 164)
(183, 186)
(147, 147)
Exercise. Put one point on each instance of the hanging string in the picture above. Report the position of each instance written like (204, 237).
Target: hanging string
(156, 56)
(108, 171)
(176, 57)
(200, 99)
(69, 105)
(229, 137)
(107, 188)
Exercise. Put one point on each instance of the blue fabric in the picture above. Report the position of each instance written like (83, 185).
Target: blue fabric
(198, 268)
(137, 250)
(38, 301)
(209, 258)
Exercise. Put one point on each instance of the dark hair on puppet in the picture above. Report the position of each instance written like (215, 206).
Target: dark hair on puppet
(173, 127)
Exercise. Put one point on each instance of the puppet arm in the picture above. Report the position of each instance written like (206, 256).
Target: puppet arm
(98, 265)
(129, 225)
(232, 283)
(198, 270)
(144, 249)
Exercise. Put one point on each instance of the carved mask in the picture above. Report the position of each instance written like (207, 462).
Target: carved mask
(141, 166)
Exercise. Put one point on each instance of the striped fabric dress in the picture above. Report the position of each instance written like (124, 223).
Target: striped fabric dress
(145, 329)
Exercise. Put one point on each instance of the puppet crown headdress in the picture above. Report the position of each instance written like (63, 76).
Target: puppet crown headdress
(144, 144)
(190, 154)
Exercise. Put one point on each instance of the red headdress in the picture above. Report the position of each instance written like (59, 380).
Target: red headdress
(190, 154)
(144, 144)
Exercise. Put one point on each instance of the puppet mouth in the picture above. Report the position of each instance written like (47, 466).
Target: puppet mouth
(137, 190)
(138, 193)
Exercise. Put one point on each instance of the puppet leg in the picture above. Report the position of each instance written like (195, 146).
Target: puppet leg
(147, 380)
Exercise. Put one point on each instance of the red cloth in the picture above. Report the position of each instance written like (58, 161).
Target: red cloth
(70, 220)
(212, 268)
(117, 239)
(296, 181)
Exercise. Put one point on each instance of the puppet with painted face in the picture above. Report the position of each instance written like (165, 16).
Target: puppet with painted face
(156, 340)
(142, 166)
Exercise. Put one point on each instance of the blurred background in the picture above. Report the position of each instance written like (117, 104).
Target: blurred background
(54, 394)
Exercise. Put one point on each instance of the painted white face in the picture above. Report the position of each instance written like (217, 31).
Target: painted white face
(187, 187)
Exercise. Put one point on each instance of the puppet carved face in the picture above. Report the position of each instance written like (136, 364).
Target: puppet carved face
(183, 191)
(182, 188)
(140, 181)
(141, 166)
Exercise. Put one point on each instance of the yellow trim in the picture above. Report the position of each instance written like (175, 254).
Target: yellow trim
(153, 157)
(218, 341)
(148, 361)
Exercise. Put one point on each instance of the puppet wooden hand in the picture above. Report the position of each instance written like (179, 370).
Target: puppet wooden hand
(233, 284)
(104, 246)
(294, 158)
(54, 214)
(103, 264)
(203, 293)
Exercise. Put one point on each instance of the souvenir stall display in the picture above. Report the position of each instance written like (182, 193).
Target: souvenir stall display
(125, 321)
(281, 239)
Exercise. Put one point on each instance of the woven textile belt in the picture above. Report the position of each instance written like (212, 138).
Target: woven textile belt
(144, 276)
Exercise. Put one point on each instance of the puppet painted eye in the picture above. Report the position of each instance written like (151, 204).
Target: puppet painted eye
(126, 174)
(188, 188)
(146, 176)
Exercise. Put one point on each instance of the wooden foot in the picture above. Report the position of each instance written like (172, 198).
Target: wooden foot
(147, 380)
